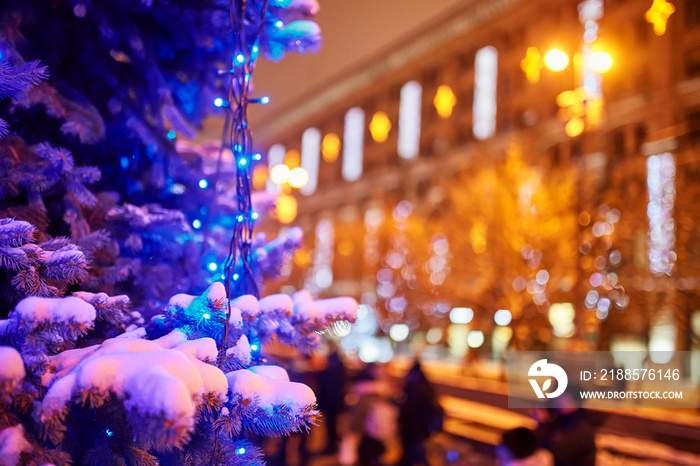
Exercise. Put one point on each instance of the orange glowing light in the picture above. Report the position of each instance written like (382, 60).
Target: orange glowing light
(658, 15)
(292, 159)
(532, 64)
(286, 208)
(574, 127)
(380, 126)
(260, 177)
(330, 147)
(444, 101)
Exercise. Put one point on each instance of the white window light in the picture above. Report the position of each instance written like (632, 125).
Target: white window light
(484, 110)
(409, 120)
(353, 141)
(310, 158)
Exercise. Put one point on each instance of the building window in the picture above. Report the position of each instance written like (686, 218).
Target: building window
(353, 141)
(275, 156)
(661, 171)
(486, 74)
(409, 120)
(310, 158)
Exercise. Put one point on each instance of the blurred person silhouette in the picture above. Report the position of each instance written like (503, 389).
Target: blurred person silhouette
(568, 431)
(420, 415)
(520, 447)
(331, 395)
(372, 418)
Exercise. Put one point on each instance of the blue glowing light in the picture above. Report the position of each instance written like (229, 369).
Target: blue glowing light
(279, 23)
(109, 433)
(2, 54)
(255, 49)
(206, 316)
(218, 101)
(240, 58)
(171, 134)
(203, 183)
(237, 148)
(254, 347)
(257, 157)
(124, 162)
(240, 451)
(254, 215)
(197, 224)
(235, 277)
(264, 100)
(240, 217)
(243, 162)
(212, 266)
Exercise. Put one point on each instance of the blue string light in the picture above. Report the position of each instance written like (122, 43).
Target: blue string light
(212, 266)
(257, 157)
(254, 215)
(124, 162)
(265, 100)
(109, 433)
(218, 101)
(203, 183)
(197, 224)
(171, 134)
(240, 451)
(240, 58)
(279, 23)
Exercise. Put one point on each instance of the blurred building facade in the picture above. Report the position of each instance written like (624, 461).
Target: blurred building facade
(549, 208)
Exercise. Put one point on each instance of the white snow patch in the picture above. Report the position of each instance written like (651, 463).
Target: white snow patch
(273, 372)
(11, 365)
(241, 350)
(203, 349)
(266, 392)
(247, 304)
(12, 444)
(181, 300)
(34, 311)
(276, 302)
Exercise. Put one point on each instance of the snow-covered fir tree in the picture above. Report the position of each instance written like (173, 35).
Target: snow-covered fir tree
(118, 346)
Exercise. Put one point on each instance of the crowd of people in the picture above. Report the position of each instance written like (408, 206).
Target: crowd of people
(370, 418)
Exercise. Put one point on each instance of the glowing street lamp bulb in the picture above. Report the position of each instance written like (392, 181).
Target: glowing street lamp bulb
(601, 62)
(298, 178)
(556, 60)
(279, 174)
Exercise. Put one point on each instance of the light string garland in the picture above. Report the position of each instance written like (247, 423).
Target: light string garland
(247, 22)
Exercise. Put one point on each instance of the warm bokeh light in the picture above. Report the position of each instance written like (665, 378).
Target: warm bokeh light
(532, 64)
(298, 177)
(556, 60)
(574, 127)
(292, 159)
(279, 174)
(260, 177)
(346, 247)
(380, 126)
(302, 258)
(601, 61)
(658, 15)
(286, 208)
(330, 147)
(444, 101)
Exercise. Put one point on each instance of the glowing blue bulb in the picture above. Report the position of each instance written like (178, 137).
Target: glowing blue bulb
(218, 101)
(254, 347)
(257, 157)
(255, 49)
(265, 100)
(240, 451)
(124, 162)
(109, 433)
(243, 162)
(279, 23)
(254, 215)
(212, 266)
(171, 134)
(206, 316)
(240, 58)
(237, 148)
(240, 217)
(203, 183)
(235, 277)
(197, 224)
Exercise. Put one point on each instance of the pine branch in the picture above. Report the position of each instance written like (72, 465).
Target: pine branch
(15, 79)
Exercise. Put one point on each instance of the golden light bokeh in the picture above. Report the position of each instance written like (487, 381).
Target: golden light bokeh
(298, 177)
(574, 127)
(286, 208)
(330, 147)
(556, 60)
(444, 101)
(279, 174)
(292, 159)
(532, 64)
(346, 247)
(658, 15)
(380, 126)
(601, 61)
(260, 177)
